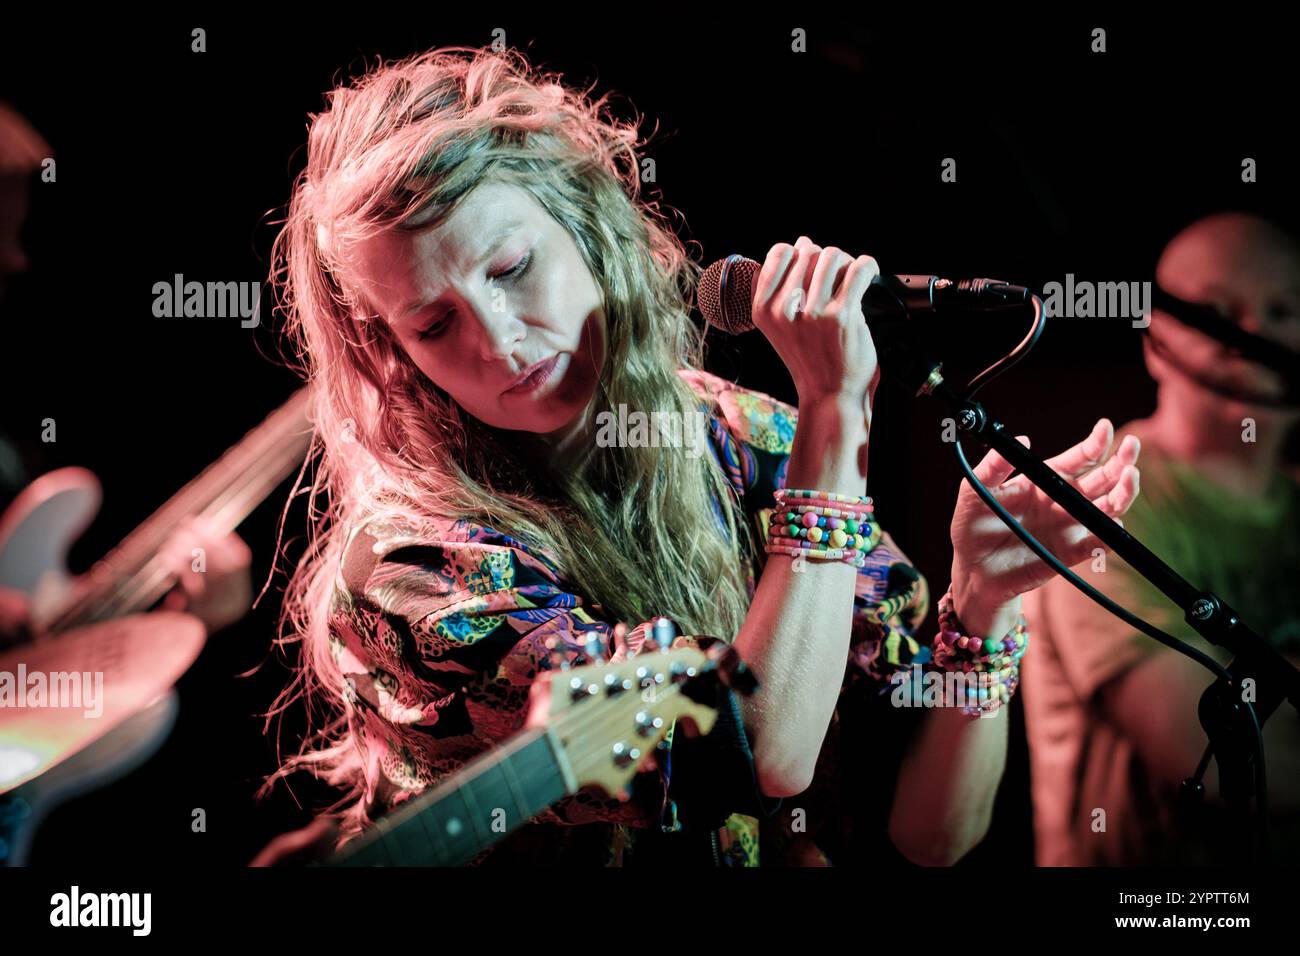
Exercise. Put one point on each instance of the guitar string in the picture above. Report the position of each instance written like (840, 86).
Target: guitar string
(149, 582)
(264, 473)
(581, 763)
(138, 546)
(136, 552)
(129, 590)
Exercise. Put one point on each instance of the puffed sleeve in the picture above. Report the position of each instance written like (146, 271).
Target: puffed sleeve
(445, 634)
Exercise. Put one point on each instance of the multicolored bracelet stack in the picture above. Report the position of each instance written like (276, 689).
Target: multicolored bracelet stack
(822, 525)
(991, 666)
(834, 527)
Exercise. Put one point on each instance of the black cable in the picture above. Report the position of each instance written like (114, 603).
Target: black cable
(1092, 593)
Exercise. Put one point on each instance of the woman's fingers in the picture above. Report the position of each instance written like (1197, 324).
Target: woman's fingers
(1113, 503)
(202, 538)
(1112, 489)
(807, 278)
(1117, 496)
(211, 566)
(859, 278)
(770, 278)
(1061, 532)
(831, 263)
(1078, 464)
(1086, 455)
(792, 294)
(993, 469)
(1100, 480)
(1126, 490)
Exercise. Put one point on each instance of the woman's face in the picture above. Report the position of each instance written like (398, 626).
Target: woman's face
(479, 300)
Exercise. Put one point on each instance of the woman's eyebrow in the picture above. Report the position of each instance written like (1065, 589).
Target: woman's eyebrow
(498, 236)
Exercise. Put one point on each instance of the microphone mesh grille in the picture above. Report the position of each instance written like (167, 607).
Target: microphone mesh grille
(726, 294)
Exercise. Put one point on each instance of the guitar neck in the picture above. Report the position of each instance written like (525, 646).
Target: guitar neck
(131, 577)
(474, 809)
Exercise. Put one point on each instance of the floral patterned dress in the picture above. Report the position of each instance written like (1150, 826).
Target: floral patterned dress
(441, 627)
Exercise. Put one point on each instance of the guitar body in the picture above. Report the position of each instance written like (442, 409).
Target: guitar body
(51, 748)
(105, 761)
(96, 623)
(37, 532)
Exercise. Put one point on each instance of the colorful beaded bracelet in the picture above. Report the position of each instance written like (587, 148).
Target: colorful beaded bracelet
(836, 532)
(953, 643)
(985, 692)
(820, 524)
(847, 556)
(986, 698)
(820, 499)
(839, 509)
(844, 514)
(792, 493)
(993, 664)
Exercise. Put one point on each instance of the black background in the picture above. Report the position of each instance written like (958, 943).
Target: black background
(171, 161)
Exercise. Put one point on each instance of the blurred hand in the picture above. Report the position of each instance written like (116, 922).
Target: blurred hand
(221, 593)
(991, 567)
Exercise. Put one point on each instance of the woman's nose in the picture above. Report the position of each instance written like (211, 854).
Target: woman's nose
(501, 330)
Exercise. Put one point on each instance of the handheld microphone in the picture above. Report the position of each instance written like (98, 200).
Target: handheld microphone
(726, 294)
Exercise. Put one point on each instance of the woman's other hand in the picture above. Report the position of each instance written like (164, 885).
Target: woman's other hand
(991, 567)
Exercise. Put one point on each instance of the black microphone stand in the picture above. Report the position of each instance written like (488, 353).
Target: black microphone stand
(1234, 708)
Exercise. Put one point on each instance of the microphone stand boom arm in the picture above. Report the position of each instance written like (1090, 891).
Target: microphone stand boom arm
(1231, 710)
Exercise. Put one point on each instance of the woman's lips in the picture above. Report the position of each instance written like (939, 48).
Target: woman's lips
(543, 374)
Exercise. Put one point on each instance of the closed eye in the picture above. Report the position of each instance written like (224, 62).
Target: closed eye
(517, 271)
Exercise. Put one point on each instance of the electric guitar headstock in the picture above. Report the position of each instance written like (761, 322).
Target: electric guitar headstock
(606, 719)
(594, 725)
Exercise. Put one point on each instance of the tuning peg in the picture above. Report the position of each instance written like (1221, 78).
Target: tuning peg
(662, 633)
(556, 657)
(624, 755)
(648, 723)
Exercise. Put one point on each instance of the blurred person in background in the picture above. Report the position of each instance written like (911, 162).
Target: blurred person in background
(1111, 714)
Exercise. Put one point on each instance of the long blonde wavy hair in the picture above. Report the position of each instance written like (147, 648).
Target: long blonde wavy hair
(632, 527)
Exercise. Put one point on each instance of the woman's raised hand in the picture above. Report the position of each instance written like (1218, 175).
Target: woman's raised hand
(808, 303)
(991, 567)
